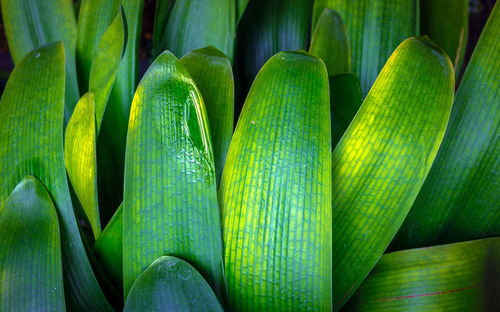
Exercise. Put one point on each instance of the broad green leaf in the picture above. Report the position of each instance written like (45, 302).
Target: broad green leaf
(460, 198)
(113, 134)
(30, 261)
(170, 284)
(170, 196)
(196, 24)
(382, 160)
(331, 43)
(375, 29)
(31, 143)
(212, 73)
(105, 63)
(162, 12)
(30, 24)
(241, 5)
(80, 158)
(109, 247)
(268, 27)
(446, 22)
(456, 277)
(275, 191)
(345, 99)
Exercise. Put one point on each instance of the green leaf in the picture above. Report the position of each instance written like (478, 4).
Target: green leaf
(268, 27)
(80, 158)
(31, 143)
(172, 285)
(170, 196)
(275, 191)
(345, 99)
(331, 43)
(109, 247)
(456, 277)
(30, 261)
(375, 29)
(30, 24)
(113, 134)
(196, 24)
(212, 73)
(446, 22)
(105, 63)
(241, 5)
(162, 12)
(459, 200)
(382, 160)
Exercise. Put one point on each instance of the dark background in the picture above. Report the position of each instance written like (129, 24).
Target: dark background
(479, 11)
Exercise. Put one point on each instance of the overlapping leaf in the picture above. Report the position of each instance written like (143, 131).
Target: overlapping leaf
(30, 261)
(275, 191)
(382, 160)
(162, 12)
(170, 197)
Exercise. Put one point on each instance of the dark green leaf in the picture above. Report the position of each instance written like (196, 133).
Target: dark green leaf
(162, 12)
(170, 196)
(382, 160)
(30, 261)
(275, 191)
(171, 285)
(211, 71)
(241, 5)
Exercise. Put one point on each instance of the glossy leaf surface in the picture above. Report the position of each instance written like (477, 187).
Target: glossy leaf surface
(331, 43)
(375, 29)
(80, 158)
(30, 24)
(31, 115)
(460, 199)
(456, 277)
(30, 261)
(382, 160)
(172, 285)
(275, 191)
(170, 196)
(212, 73)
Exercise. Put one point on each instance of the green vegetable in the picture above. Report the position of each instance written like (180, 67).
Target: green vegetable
(31, 143)
(172, 285)
(30, 24)
(275, 191)
(375, 29)
(170, 196)
(30, 261)
(456, 277)
(331, 44)
(459, 200)
(211, 71)
(383, 158)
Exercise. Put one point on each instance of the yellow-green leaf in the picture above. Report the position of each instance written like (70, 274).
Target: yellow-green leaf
(30, 261)
(382, 160)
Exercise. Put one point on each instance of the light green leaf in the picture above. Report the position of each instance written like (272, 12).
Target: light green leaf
(275, 191)
(162, 12)
(212, 73)
(170, 196)
(105, 63)
(460, 198)
(196, 24)
(30, 24)
(268, 27)
(170, 284)
(331, 43)
(382, 160)
(80, 158)
(30, 261)
(375, 29)
(109, 247)
(345, 99)
(446, 22)
(456, 277)
(31, 143)
(241, 5)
